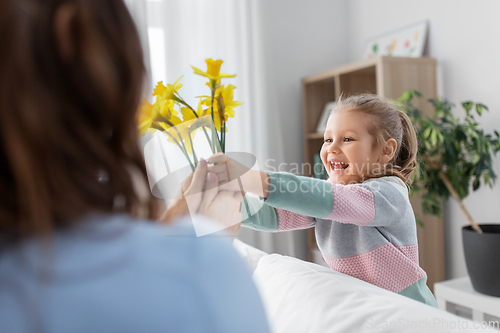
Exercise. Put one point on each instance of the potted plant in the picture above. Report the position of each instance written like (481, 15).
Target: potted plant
(455, 156)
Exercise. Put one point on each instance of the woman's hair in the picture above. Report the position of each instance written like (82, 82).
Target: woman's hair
(387, 121)
(68, 135)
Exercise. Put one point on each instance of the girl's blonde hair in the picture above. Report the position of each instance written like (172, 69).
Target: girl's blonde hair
(387, 121)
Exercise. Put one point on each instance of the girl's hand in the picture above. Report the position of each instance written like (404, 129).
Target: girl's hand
(234, 176)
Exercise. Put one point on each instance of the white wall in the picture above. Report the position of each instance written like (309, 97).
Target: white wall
(300, 38)
(464, 37)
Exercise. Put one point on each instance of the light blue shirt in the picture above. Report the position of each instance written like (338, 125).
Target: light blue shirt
(110, 273)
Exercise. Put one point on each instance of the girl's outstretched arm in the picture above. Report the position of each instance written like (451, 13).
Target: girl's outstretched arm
(376, 202)
(260, 216)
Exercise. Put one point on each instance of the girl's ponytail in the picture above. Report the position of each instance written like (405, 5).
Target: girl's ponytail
(406, 158)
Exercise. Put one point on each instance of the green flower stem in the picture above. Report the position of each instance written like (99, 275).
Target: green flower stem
(185, 150)
(224, 138)
(181, 141)
(196, 115)
(220, 102)
(181, 147)
(214, 131)
(192, 148)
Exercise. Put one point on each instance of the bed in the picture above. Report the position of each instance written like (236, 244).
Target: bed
(301, 297)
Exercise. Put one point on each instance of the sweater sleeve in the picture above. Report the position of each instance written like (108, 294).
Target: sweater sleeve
(373, 203)
(260, 216)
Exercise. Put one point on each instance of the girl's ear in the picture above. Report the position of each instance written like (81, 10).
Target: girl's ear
(389, 149)
(63, 31)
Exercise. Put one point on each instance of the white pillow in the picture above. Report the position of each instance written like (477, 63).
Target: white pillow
(304, 297)
(249, 253)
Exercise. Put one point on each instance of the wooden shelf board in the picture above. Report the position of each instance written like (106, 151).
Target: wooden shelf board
(328, 75)
(360, 66)
(315, 135)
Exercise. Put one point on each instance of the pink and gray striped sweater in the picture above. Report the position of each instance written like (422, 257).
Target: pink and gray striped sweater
(365, 230)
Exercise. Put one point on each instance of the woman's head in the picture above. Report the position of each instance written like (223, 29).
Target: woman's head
(72, 74)
(368, 136)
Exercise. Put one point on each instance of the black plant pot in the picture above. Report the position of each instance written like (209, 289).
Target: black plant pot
(482, 256)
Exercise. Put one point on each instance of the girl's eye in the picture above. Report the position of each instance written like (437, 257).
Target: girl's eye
(348, 139)
(327, 141)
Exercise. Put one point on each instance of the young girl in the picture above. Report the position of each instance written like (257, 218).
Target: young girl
(364, 223)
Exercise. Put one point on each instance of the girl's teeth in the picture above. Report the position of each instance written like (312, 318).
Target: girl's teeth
(339, 165)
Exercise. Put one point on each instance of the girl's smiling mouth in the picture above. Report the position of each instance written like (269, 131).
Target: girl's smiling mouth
(338, 167)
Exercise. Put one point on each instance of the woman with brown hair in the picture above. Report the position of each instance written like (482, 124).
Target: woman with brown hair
(77, 253)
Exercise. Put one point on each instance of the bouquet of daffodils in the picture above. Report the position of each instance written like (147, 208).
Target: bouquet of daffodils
(210, 116)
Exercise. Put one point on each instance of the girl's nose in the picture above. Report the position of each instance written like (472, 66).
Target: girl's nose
(334, 149)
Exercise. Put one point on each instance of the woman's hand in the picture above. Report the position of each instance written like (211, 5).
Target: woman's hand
(200, 194)
(234, 176)
(191, 189)
(221, 206)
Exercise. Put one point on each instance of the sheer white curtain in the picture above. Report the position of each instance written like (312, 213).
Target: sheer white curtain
(179, 33)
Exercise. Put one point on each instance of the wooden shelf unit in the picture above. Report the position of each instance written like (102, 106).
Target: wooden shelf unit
(388, 77)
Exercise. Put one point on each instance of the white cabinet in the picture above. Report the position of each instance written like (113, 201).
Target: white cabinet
(458, 297)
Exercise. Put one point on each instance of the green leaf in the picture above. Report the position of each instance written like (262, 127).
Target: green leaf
(434, 138)
(408, 95)
(467, 106)
(436, 103)
(497, 134)
(427, 132)
(476, 159)
(480, 107)
(487, 179)
(459, 134)
(476, 184)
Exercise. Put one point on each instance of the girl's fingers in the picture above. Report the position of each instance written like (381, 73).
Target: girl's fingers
(218, 168)
(217, 158)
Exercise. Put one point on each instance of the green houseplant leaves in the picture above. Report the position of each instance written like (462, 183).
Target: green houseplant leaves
(453, 155)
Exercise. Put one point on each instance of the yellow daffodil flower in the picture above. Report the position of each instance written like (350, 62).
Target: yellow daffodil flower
(169, 91)
(159, 89)
(187, 114)
(147, 115)
(167, 109)
(227, 94)
(213, 70)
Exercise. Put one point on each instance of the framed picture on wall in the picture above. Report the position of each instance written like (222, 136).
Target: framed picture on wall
(324, 117)
(407, 41)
